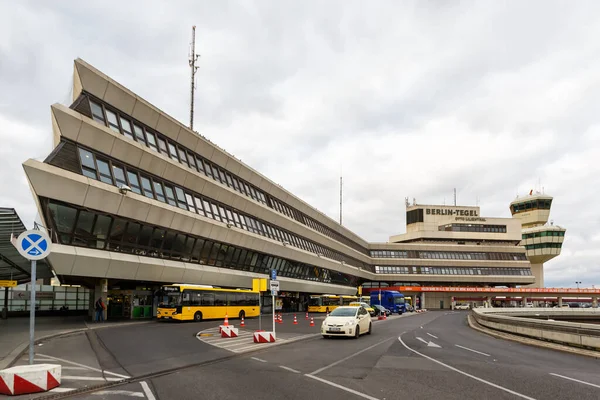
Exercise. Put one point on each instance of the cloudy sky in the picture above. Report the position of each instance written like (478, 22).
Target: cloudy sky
(408, 99)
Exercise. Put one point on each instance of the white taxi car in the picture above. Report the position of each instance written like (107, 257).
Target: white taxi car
(347, 321)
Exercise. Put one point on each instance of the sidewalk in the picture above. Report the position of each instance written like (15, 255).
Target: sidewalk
(14, 332)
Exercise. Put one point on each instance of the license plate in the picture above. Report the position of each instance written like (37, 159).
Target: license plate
(334, 329)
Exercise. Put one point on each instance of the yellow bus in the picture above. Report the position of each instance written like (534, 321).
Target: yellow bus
(328, 302)
(197, 303)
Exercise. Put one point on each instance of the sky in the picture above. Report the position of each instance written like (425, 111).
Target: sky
(404, 99)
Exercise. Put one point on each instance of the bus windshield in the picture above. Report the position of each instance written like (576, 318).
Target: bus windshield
(173, 300)
(314, 301)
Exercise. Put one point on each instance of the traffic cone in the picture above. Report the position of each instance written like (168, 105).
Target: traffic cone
(312, 321)
(295, 320)
(242, 323)
(226, 323)
(384, 315)
(306, 316)
(280, 319)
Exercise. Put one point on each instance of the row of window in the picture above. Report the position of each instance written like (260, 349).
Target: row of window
(473, 228)
(107, 171)
(539, 204)
(543, 234)
(133, 130)
(395, 269)
(86, 228)
(543, 246)
(447, 255)
(216, 298)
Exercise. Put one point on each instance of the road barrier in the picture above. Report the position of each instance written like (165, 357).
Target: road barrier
(264, 337)
(26, 379)
(516, 321)
(229, 332)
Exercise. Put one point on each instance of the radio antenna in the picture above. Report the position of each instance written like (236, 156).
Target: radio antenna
(192, 61)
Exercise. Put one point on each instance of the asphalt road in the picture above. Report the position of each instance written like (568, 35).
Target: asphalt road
(432, 355)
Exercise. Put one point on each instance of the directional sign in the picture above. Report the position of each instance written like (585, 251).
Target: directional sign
(274, 285)
(8, 283)
(273, 274)
(33, 245)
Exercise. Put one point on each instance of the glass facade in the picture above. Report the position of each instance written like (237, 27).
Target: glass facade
(155, 141)
(98, 167)
(543, 234)
(543, 246)
(448, 255)
(473, 228)
(539, 204)
(77, 226)
(394, 269)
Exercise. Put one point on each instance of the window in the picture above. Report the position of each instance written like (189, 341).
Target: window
(199, 206)
(131, 235)
(207, 208)
(208, 169)
(215, 172)
(116, 234)
(104, 171)
(112, 121)
(119, 175)
(181, 202)
(134, 184)
(158, 189)
(101, 230)
(126, 125)
(173, 151)
(151, 141)
(87, 164)
(147, 187)
(200, 165)
(97, 113)
(170, 195)
(139, 133)
(215, 211)
(192, 161)
(190, 202)
(162, 146)
(220, 299)
(83, 229)
(182, 156)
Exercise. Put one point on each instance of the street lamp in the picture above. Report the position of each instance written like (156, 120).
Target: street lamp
(578, 283)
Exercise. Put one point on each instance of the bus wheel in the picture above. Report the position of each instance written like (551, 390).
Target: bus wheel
(242, 314)
(198, 317)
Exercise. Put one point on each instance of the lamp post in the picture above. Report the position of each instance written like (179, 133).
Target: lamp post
(578, 283)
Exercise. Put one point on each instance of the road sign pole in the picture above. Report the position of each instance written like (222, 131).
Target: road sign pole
(273, 297)
(259, 312)
(32, 311)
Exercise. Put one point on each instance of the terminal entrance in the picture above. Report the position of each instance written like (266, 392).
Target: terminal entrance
(131, 304)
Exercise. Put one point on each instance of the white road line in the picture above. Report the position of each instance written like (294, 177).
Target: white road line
(289, 369)
(61, 390)
(349, 357)
(422, 340)
(254, 346)
(147, 390)
(87, 367)
(474, 351)
(89, 378)
(467, 374)
(366, 396)
(576, 380)
(433, 336)
(120, 393)
(258, 359)
(42, 360)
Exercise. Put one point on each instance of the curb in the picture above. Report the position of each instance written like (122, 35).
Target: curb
(21, 349)
(531, 342)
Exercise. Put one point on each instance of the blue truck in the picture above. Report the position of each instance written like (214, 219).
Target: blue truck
(390, 299)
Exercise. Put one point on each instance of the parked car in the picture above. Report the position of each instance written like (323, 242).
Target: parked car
(367, 307)
(379, 310)
(464, 306)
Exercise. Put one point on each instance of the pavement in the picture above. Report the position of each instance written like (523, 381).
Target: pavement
(415, 356)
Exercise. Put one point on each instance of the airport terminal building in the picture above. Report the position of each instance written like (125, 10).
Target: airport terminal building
(133, 199)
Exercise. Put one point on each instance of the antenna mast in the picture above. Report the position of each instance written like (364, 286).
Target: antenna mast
(341, 200)
(192, 61)
(454, 197)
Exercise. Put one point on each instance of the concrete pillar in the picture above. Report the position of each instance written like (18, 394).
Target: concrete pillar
(489, 301)
(100, 290)
(559, 301)
(524, 301)
(5, 307)
(537, 271)
(594, 302)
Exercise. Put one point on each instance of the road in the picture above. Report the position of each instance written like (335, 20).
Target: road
(424, 356)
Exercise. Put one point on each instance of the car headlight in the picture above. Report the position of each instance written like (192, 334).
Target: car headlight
(348, 323)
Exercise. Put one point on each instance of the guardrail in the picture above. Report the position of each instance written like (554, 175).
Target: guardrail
(515, 321)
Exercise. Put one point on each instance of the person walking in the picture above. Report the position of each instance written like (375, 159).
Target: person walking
(100, 307)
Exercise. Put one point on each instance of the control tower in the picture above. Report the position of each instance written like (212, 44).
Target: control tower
(542, 241)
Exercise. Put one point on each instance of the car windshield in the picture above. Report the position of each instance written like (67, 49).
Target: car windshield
(343, 312)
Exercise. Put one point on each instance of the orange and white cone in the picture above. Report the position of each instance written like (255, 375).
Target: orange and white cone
(312, 321)
(306, 316)
(242, 323)
(295, 320)
(226, 322)
(280, 319)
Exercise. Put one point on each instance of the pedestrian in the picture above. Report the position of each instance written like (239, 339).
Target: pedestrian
(100, 307)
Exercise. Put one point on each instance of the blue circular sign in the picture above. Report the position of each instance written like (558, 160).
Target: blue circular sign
(33, 245)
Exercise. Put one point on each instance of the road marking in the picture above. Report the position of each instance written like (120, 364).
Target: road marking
(61, 390)
(258, 359)
(433, 336)
(576, 380)
(289, 369)
(147, 390)
(474, 351)
(429, 343)
(466, 374)
(89, 378)
(349, 357)
(42, 360)
(366, 396)
(66, 367)
(120, 393)
(86, 367)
